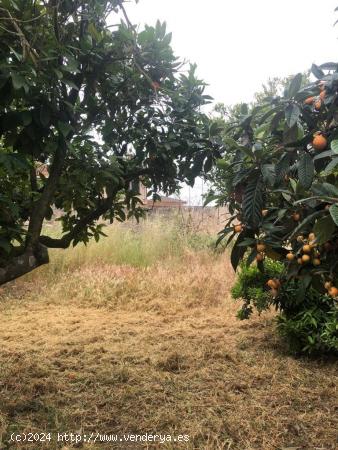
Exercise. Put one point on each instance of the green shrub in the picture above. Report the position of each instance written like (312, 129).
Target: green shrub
(311, 325)
(252, 289)
(308, 325)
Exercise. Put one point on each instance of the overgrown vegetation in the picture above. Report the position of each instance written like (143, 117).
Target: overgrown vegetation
(146, 339)
(308, 325)
(251, 287)
(131, 244)
(278, 177)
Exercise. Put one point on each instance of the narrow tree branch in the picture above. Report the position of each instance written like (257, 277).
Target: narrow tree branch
(20, 265)
(66, 240)
(34, 184)
(21, 21)
(135, 49)
(105, 205)
(40, 207)
(26, 47)
(130, 25)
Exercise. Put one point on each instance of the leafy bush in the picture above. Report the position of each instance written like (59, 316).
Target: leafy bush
(309, 325)
(313, 326)
(252, 289)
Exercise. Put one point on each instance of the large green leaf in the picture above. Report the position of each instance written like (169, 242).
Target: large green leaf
(329, 65)
(268, 172)
(317, 72)
(14, 5)
(334, 213)
(324, 229)
(303, 285)
(253, 201)
(331, 166)
(295, 85)
(93, 32)
(275, 121)
(322, 155)
(306, 170)
(334, 146)
(18, 81)
(238, 251)
(230, 142)
(215, 129)
(65, 128)
(267, 115)
(282, 166)
(330, 189)
(290, 134)
(292, 113)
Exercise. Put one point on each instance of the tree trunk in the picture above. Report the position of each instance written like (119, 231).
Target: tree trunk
(20, 265)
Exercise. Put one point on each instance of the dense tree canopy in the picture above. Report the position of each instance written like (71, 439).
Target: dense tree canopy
(101, 106)
(279, 172)
(278, 177)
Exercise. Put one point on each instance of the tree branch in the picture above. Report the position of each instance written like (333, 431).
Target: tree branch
(66, 240)
(40, 207)
(20, 265)
(105, 205)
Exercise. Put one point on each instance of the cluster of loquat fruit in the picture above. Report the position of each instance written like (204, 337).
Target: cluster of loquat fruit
(260, 246)
(319, 141)
(317, 101)
(308, 252)
(332, 290)
(274, 284)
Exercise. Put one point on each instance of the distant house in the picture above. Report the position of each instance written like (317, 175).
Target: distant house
(42, 170)
(166, 202)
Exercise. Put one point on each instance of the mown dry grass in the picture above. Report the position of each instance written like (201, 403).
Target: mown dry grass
(92, 345)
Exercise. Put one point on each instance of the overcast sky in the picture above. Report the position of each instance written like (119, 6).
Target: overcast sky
(238, 44)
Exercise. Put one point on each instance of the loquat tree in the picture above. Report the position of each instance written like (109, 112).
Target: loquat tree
(279, 178)
(97, 105)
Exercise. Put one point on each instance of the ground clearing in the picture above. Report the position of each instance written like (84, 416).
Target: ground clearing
(154, 348)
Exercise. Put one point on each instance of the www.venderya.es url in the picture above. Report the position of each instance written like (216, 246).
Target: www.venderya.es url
(76, 438)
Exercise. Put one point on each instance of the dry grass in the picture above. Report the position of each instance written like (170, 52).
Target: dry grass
(92, 345)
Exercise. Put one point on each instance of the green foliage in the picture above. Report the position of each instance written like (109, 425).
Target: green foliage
(308, 325)
(101, 107)
(271, 164)
(312, 327)
(251, 287)
(154, 240)
(306, 170)
(282, 186)
(253, 200)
